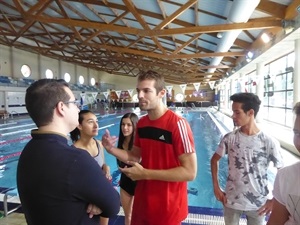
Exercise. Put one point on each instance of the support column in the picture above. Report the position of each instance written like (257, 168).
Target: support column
(242, 82)
(88, 82)
(297, 72)
(232, 87)
(60, 75)
(76, 75)
(40, 75)
(260, 67)
(12, 61)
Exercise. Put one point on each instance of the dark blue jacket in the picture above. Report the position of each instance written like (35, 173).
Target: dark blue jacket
(56, 182)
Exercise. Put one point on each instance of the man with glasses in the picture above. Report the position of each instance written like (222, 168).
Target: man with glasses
(57, 183)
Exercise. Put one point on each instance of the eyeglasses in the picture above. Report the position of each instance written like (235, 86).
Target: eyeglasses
(76, 102)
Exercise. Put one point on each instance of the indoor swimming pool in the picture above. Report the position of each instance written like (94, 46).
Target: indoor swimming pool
(206, 129)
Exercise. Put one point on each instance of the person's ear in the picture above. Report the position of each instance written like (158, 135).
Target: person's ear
(162, 92)
(60, 108)
(251, 112)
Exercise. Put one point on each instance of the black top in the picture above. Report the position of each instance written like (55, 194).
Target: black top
(56, 182)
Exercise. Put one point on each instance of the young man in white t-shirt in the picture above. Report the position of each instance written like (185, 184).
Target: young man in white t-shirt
(249, 152)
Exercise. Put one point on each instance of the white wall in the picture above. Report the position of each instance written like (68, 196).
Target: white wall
(48, 63)
(11, 60)
(19, 58)
(5, 61)
(122, 82)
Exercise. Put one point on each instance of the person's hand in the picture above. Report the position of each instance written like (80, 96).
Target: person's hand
(93, 210)
(108, 141)
(266, 209)
(107, 174)
(106, 170)
(135, 172)
(220, 195)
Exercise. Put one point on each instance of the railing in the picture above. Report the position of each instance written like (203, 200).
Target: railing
(11, 114)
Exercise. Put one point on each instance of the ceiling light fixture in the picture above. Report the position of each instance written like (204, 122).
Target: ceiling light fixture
(249, 56)
(288, 25)
(266, 38)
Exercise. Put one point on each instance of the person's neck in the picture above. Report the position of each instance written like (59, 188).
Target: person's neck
(53, 129)
(157, 112)
(250, 129)
(86, 141)
(126, 141)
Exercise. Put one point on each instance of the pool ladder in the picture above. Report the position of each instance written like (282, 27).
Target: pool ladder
(11, 114)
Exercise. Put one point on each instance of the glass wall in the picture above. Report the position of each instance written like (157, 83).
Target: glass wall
(278, 90)
(250, 84)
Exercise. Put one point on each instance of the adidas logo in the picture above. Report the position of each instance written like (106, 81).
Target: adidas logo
(162, 137)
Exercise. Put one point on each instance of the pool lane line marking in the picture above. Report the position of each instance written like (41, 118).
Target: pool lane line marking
(5, 124)
(26, 125)
(15, 132)
(15, 140)
(10, 156)
(110, 125)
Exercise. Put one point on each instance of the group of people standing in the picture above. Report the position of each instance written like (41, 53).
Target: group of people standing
(83, 137)
(62, 184)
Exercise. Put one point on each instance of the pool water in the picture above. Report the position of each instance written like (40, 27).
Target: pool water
(206, 133)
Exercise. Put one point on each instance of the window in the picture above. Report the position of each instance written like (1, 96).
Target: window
(25, 70)
(81, 79)
(278, 91)
(49, 74)
(179, 97)
(67, 77)
(93, 81)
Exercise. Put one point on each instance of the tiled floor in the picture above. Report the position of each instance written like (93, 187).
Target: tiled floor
(195, 219)
(13, 219)
(285, 136)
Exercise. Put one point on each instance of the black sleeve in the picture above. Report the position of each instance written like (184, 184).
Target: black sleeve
(89, 183)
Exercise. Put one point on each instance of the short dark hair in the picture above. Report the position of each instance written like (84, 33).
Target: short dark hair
(152, 75)
(75, 134)
(42, 97)
(296, 109)
(248, 100)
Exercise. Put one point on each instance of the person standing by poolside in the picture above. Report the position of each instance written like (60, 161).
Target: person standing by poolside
(286, 207)
(127, 186)
(83, 137)
(249, 151)
(163, 157)
(57, 183)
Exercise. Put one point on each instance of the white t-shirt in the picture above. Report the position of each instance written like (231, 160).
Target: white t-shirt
(287, 191)
(248, 162)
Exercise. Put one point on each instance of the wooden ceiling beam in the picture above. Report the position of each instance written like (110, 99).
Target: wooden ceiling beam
(139, 18)
(291, 11)
(168, 57)
(174, 15)
(39, 7)
(250, 25)
(272, 8)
